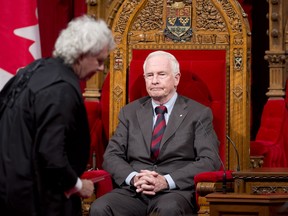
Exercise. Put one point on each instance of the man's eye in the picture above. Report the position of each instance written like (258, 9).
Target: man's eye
(100, 62)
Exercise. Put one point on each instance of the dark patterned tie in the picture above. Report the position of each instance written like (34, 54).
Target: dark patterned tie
(158, 130)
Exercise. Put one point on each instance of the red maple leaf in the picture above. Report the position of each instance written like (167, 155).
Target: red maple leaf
(14, 51)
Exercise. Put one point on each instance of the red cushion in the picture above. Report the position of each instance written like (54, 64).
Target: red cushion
(93, 110)
(216, 176)
(104, 185)
(271, 121)
(274, 154)
(213, 176)
(270, 139)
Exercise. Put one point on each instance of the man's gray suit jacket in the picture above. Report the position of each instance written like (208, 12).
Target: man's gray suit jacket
(189, 145)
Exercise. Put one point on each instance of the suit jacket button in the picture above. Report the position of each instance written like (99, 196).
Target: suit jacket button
(155, 167)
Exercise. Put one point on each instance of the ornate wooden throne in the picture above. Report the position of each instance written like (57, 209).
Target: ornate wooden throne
(186, 28)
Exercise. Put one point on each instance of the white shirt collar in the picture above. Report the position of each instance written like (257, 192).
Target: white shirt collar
(169, 105)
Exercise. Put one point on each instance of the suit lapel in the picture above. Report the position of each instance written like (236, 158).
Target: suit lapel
(176, 117)
(145, 119)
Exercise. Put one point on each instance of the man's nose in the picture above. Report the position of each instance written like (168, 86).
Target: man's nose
(101, 67)
(155, 78)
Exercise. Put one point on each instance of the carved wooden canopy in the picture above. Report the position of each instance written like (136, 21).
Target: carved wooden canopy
(184, 25)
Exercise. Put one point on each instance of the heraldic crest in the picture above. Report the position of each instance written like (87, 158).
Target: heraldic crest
(178, 20)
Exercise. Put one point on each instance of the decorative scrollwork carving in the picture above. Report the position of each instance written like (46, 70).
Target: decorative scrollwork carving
(285, 189)
(238, 39)
(238, 92)
(238, 59)
(91, 2)
(263, 190)
(150, 17)
(275, 2)
(170, 2)
(117, 93)
(128, 8)
(275, 58)
(208, 17)
(256, 162)
(268, 189)
(118, 59)
(234, 18)
(136, 37)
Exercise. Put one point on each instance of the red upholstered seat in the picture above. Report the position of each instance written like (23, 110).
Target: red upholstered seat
(270, 140)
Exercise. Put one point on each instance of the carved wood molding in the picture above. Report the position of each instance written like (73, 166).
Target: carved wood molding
(256, 161)
(260, 189)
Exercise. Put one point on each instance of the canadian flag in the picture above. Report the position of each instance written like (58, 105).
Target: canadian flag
(19, 36)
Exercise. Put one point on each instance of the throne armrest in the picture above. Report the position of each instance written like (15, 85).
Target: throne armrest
(102, 180)
(209, 182)
(102, 183)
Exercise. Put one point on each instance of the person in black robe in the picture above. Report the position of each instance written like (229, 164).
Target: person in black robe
(44, 132)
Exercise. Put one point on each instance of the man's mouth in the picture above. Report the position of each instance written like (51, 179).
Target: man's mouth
(156, 89)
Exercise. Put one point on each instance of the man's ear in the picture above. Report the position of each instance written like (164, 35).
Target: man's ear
(177, 79)
(81, 56)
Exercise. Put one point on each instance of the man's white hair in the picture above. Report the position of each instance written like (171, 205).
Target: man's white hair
(83, 35)
(173, 61)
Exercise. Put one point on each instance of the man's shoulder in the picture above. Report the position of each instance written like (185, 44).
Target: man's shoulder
(52, 72)
(191, 103)
(186, 99)
(139, 102)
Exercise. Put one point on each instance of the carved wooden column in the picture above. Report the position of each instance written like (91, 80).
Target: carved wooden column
(276, 55)
(95, 8)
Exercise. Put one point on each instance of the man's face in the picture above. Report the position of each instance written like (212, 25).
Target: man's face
(160, 81)
(89, 64)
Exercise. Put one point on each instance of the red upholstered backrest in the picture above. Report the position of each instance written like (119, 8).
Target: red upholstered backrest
(93, 110)
(272, 121)
(286, 122)
(203, 78)
(104, 101)
(271, 139)
(286, 93)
